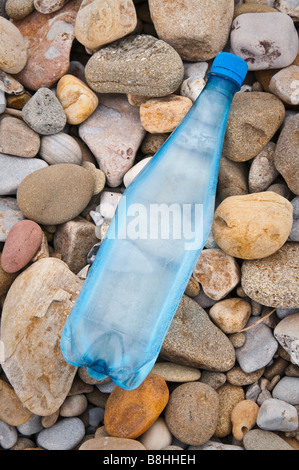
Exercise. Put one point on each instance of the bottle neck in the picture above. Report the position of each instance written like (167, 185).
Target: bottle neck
(222, 85)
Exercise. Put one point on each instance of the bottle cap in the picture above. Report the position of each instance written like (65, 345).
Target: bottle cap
(229, 66)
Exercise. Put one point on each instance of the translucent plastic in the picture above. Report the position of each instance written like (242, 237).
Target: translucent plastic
(117, 326)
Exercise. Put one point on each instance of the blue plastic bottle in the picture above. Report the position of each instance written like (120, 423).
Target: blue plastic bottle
(117, 325)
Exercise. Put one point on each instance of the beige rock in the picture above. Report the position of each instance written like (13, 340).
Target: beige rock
(243, 417)
(175, 372)
(252, 226)
(135, 170)
(12, 410)
(6, 279)
(160, 115)
(49, 6)
(285, 85)
(99, 177)
(157, 436)
(237, 340)
(17, 10)
(74, 405)
(262, 170)
(60, 148)
(237, 376)
(197, 29)
(73, 240)
(229, 396)
(231, 315)
(49, 421)
(232, 179)
(13, 49)
(137, 100)
(193, 288)
(217, 272)
(16, 138)
(78, 101)
(254, 119)
(252, 8)
(152, 143)
(33, 317)
(112, 443)
(100, 22)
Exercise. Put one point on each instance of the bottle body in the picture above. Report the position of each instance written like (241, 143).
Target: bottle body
(141, 270)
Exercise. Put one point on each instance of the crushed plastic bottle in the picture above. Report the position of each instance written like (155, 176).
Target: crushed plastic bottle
(118, 323)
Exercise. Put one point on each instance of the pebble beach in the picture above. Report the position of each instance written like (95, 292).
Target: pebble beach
(89, 92)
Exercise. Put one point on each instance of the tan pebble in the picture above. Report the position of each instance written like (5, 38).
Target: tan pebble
(99, 177)
(243, 418)
(112, 443)
(137, 100)
(43, 251)
(12, 410)
(175, 372)
(13, 50)
(101, 432)
(152, 143)
(237, 376)
(160, 115)
(231, 315)
(252, 226)
(73, 405)
(192, 288)
(157, 436)
(78, 101)
(60, 148)
(6, 279)
(252, 8)
(49, 421)
(18, 101)
(229, 396)
(237, 339)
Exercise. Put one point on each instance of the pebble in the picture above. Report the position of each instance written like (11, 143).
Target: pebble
(252, 226)
(232, 178)
(163, 115)
(243, 418)
(229, 395)
(99, 23)
(74, 406)
(152, 143)
(237, 376)
(197, 29)
(49, 40)
(257, 439)
(217, 272)
(2, 102)
(287, 389)
(18, 101)
(44, 113)
(32, 426)
(128, 414)
(277, 415)
(259, 348)
(139, 65)
(192, 87)
(287, 334)
(194, 341)
(49, 6)
(294, 235)
(192, 413)
(6, 281)
(237, 339)
(231, 315)
(157, 437)
(23, 241)
(106, 387)
(44, 292)
(272, 281)
(112, 443)
(22, 142)
(253, 120)
(73, 240)
(288, 6)
(244, 8)
(214, 445)
(8, 435)
(10, 214)
(175, 372)
(113, 133)
(56, 194)
(14, 170)
(213, 379)
(10, 85)
(64, 435)
(60, 148)
(254, 38)
(12, 411)
(19, 9)
(135, 170)
(285, 85)
(99, 177)
(13, 50)
(286, 154)
(77, 100)
(262, 171)
(193, 287)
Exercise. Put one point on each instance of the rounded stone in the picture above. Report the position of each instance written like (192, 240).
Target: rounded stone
(74, 406)
(135, 170)
(12, 410)
(273, 281)
(60, 148)
(112, 443)
(129, 413)
(163, 115)
(197, 29)
(13, 50)
(252, 226)
(238, 377)
(32, 426)
(192, 413)
(287, 389)
(256, 439)
(77, 100)
(139, 65)
(232, 178)
(175, 372)
(44, 113)
(287, 334)
(262, 171)
(285, 85)
(253, 120)
(19, 9)
(17, 138)
(8, 435)
(231, 315)
(243, 418)
(64, 435)
(229, 395)
(277, 415)
(21, 244)
(55, 194)
(101, 22)
(157, 437)
(252, 8)
(286, 156)
(6, 280)
(49, 6)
